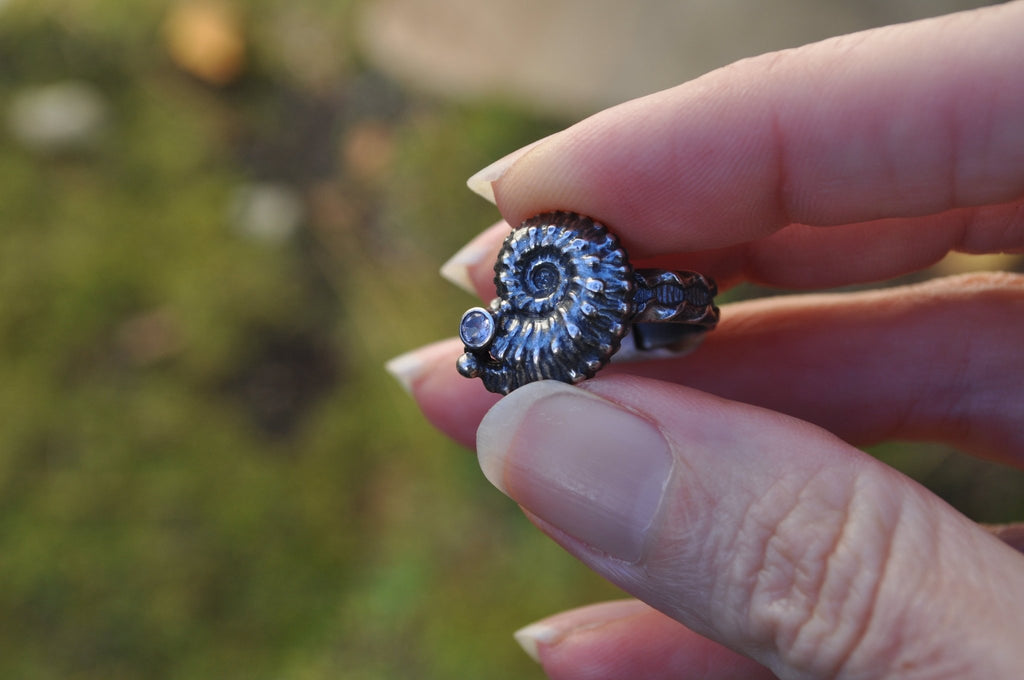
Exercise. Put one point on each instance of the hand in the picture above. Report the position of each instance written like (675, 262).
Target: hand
(723, 489)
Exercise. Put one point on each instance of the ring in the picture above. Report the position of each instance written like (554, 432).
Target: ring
(568, 297)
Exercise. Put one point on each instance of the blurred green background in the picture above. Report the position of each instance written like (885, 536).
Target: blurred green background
(217, 222)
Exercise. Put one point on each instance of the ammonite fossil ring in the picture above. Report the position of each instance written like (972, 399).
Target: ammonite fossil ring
(567, 298)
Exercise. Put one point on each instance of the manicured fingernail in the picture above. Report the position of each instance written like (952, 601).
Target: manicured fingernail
(532, 636)
(459, 266)
(407, 368)
(482, 183)
(579, 462)
(556, 629)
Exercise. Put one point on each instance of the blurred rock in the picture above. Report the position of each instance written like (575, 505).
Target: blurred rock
(572, 57)
(65, 116)
(205, 38)
(267, 212)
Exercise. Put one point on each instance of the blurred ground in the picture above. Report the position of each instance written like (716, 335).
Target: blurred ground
(217, 221)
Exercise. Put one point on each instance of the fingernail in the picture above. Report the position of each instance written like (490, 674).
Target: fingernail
(532, 636)
(406, 368)
(482, 183)
(579, 462)
(556, 629)
(459, 266)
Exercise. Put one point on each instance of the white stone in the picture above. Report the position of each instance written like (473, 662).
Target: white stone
(266, 211)
(64, 116)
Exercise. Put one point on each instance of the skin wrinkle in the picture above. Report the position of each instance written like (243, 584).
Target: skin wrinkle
(921, 540)
(848, 588)
(669, 560)
(744, 577)
(802, 577)
(818, 573)
(872, 599)
(870, 620)
(1010, 237)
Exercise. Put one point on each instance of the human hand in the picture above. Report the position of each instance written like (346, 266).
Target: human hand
(723, 489)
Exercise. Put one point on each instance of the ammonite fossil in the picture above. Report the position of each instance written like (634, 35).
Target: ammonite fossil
(567, 295)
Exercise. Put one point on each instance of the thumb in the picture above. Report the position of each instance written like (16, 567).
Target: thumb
(764, 533)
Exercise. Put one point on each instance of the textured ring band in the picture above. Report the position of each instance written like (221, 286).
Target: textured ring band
(567, 296)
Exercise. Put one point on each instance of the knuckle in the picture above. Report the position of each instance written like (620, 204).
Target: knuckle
(813, 555)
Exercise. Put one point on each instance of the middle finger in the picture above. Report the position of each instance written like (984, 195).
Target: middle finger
(937, 361)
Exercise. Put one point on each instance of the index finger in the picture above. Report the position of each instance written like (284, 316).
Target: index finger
(903, 121)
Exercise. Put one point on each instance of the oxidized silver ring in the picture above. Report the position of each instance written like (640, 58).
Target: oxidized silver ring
(567, 299)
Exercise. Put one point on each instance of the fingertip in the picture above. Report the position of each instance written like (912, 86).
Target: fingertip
(450, 402)
(628, 639)
(559, 451)
(482, 182)
(407, 368)
(530, 637)
(471, 268)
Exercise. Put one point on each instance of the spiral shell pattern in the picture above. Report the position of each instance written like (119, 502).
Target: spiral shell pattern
(565, 291)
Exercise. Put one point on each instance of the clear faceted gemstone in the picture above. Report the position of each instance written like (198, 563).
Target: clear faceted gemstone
(477, 328)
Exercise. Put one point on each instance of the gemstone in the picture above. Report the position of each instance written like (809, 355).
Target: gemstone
(477, 328)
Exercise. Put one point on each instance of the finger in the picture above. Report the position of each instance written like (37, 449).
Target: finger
(450, 403)
(761, 532)
(903, 121)
(1010, 534)
(629, 639)
(802, 257)
(472, 267)
(938, 361)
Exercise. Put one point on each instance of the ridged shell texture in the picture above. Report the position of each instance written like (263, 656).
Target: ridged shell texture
(565, 290)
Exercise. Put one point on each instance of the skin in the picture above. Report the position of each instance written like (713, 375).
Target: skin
(847, 161)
